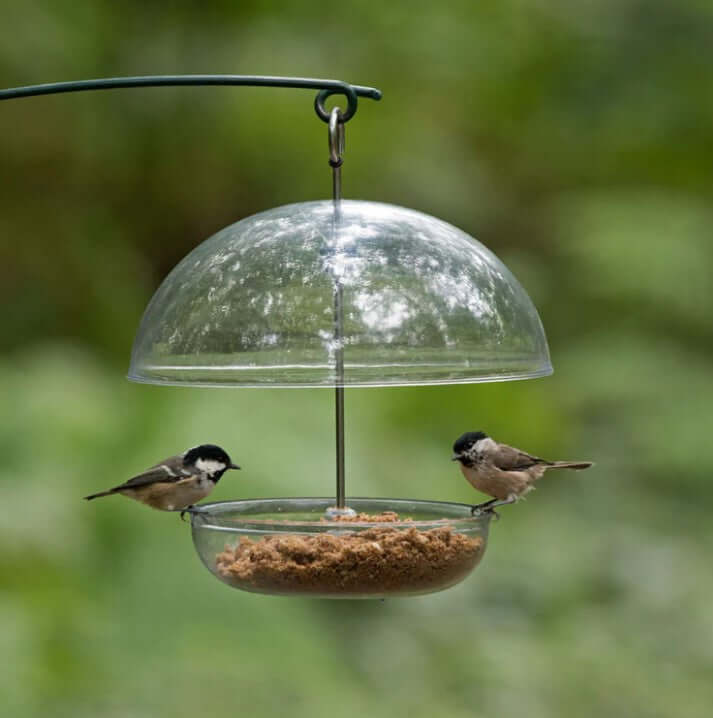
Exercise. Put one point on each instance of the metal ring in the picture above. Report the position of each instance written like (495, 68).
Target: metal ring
(349, 92)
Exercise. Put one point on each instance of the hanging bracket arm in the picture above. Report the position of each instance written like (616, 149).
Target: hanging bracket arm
(326, 87)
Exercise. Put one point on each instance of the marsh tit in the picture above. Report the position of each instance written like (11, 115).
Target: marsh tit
(177, 482)
(501, 471)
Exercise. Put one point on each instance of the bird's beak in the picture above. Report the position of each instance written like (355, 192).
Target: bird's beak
(233, 466)
(455, 457)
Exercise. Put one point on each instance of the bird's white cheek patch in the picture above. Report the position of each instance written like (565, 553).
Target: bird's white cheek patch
(209, 466)
(483, 445)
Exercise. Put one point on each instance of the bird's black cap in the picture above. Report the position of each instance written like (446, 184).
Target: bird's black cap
(463, 443)
(208, 452)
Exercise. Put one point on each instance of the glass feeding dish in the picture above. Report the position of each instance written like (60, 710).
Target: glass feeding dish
(423, 303)
(287, 546)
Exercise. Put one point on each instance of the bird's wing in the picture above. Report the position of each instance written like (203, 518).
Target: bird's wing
(508, 458)
(169, 471)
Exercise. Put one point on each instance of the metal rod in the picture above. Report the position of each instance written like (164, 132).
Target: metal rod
(326, 87)
(337, 186)
(336, 149)
(339, 396)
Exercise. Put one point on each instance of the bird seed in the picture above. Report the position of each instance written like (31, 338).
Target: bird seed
(378, 560)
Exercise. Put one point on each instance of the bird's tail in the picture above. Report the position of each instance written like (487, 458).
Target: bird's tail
(100, 494)
(577, 465)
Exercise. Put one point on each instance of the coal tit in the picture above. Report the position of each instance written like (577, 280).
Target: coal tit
(177, 482)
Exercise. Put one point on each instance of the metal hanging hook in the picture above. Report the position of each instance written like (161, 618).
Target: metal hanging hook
(336, 151)
(336, 138)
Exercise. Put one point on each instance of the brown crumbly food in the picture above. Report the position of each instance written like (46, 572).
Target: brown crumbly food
(383, 517)
(377, 560)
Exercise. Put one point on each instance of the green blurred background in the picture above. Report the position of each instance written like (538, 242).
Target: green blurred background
(575, 140)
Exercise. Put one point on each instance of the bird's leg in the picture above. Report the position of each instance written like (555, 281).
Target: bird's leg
(509, 500)
(185, 511)
(489, 506)
(480, 508)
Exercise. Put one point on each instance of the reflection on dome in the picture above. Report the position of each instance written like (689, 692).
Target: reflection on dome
(424, 303)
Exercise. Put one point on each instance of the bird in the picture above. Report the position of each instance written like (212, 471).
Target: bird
(176, 483)
(501, 471)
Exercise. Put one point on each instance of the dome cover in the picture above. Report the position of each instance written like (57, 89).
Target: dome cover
(423, 303)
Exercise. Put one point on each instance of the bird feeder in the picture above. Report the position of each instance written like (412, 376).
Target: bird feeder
(333, 293)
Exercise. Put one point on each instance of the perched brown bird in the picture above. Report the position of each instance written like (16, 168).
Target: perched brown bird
(502, 471)
(179, 481)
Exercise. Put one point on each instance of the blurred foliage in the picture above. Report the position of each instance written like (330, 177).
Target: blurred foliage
(574, 139)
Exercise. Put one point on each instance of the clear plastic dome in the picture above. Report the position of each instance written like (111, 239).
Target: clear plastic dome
(422, 303)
